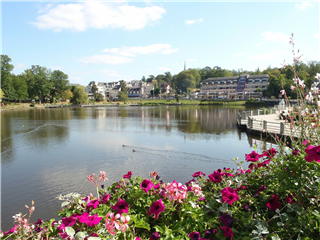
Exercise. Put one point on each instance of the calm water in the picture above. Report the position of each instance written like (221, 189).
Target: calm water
(45, 152)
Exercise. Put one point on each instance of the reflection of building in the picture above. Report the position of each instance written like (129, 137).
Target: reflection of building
(243, 86)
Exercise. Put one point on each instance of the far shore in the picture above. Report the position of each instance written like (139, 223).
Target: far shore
(147, 102)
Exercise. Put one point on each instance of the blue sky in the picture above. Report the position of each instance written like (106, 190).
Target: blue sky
(107, 41)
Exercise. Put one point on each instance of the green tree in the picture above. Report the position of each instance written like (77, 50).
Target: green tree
(123, 94)
(187, 79)
(21, 87)
(67, 94)
(38, 80)
(6, 77)
(2, 95)
(59, 81)
(99, 97)
(79, 95)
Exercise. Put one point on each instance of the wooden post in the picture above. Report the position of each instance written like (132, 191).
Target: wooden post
(265, 125)
(265, 112)
(258, 112)
(281, 128)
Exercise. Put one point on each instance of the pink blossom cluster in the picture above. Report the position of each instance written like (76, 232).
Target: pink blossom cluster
(116, 222)
(174, 191)
(97, 180)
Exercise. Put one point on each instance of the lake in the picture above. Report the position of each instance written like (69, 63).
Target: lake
(45, 152)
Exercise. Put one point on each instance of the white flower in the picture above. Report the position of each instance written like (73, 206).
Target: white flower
(318, 75)
(309, 96)
(315, 112)
(15, 217)
(293, 88)
(301, 83)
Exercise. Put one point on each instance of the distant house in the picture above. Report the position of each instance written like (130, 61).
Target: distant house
(88, 90)
(166, 87)
(239, 86)
(135, 92)
(115, 91)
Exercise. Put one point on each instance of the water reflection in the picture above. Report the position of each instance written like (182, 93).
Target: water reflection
(51, 151)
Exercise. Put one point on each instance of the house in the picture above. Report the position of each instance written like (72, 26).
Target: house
(242, 86)
(165, 87)
(135, 92)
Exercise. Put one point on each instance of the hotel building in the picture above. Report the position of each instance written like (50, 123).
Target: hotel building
(243, 86)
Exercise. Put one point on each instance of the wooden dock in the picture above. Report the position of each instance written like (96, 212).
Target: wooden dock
(258, 122)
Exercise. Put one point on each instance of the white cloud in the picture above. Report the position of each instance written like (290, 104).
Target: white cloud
(20, 66)
(238, 54)
(317, 35)
(132, 51)
(258, 44)
(275, 37)
(99, 15)
(267, 56)
(188, 22)
(105, 59)
(125, 54)
(303, 5)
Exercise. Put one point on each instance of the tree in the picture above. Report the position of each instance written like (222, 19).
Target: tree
(1, 94)
(79, 95)
(99, 97)
(67, 94)
(38, 80)
(6, 77)
(123, 94)
(59, 81)
(21, 87)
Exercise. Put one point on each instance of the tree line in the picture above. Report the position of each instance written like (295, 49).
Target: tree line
(42, 83)
(38, 82)
(188, 80)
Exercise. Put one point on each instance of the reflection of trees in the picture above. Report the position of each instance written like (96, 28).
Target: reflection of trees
(7, 144)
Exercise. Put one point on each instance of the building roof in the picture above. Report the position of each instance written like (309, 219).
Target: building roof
(220, 78)
(259, 76)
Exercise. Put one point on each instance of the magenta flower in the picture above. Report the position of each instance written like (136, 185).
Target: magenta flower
(154, 236)
(313, 153)
(121, 206)
(69, 221)
(227, 174)
(295, 152)
(128, 175)
(269, 153)
(289, 199)
(137, 238)
(210, 232)
(264, 163)
(104, 199)
(198, 174)
(194, 235)
(156, 208)
(12, 230)
(227, 231)
(146, 185)
(261, 189)
(93, 204)
(229, 195)
(215, 177)
(227, 220)
(253, 157)
(89, 220)
(273, 203)
(305, 142)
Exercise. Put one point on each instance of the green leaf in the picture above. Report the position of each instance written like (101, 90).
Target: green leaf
(275, 237)
(70, 231)
(316, 214)
(65, 204)
(81, 235)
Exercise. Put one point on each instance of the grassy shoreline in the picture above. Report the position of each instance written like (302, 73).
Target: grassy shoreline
(152, 102)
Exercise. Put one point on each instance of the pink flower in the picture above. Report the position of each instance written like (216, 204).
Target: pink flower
(156, 208)
(103, 176)
(198, 174)
(146, 185)
(273, 203)
(89, 220)
(215, 177)
(124, 226)
(154, 236)
(121, 206)
(112, 223)
(269, 153)
(128, 175)
(69, 221)
(313, 153)
(194, 235)
(105, 198)
(93, 204)
(289, 199)
(137, 238)
(305, 142)
(229, 195)
(293, 88)
(253, 157)
(12, 230)
(261, 189)
(282, 92)
(227, 231)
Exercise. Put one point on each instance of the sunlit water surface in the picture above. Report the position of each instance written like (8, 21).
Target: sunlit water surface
(45, 152)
